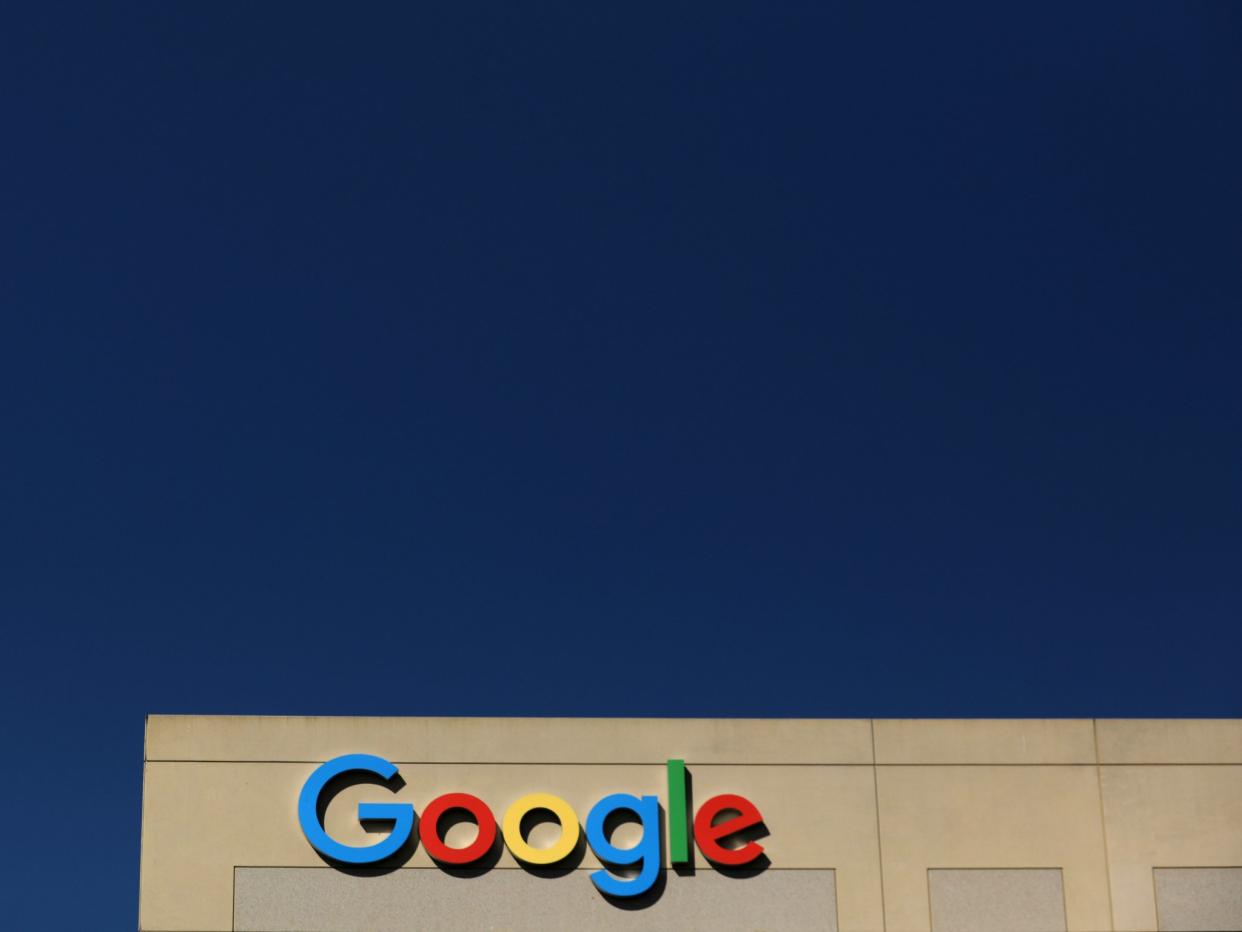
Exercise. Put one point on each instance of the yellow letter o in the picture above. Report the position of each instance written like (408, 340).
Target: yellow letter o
(518, 845)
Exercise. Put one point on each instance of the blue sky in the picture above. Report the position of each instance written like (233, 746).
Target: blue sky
(707, 360)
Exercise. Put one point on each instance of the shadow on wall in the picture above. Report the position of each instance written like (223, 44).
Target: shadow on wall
(745, 836)
(531, 820)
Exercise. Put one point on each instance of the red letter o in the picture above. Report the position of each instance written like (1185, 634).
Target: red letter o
(429, 833)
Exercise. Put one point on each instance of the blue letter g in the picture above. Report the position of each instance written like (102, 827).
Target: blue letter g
(401, 815)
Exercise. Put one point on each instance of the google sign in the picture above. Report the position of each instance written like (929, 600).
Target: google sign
(710, 830)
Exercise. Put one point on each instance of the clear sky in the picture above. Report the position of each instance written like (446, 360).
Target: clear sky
(716, 359)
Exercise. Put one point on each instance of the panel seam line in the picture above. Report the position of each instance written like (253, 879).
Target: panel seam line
(879, 841)
(1099, 790)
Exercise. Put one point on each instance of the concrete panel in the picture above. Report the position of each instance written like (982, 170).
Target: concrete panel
(984, 741)
(202, 819)
(1199, 899)
(991, 817)
(997, 900)
(510, 740)
(1166, 816)
(325, 900)
(1170, 741)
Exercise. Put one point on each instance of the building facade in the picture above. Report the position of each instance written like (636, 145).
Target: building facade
(254, 824)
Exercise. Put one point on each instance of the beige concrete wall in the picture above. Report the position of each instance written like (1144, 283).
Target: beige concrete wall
(876, 805)
(309, 899)
(990, 816)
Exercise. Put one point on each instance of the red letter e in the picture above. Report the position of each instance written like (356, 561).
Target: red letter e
(708, 835)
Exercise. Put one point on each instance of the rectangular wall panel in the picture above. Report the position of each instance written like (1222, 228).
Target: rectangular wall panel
(509, 740)
(203, 819)
(1199, 899)
(1022, 900)
(299, 899)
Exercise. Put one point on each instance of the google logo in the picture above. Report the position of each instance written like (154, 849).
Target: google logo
(710, 829)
